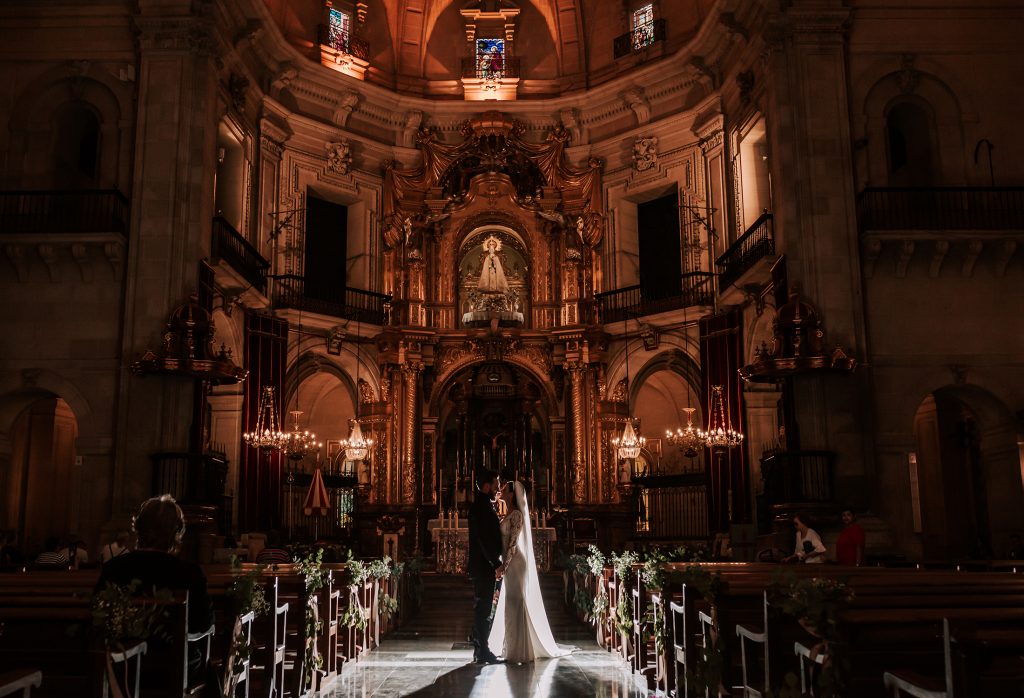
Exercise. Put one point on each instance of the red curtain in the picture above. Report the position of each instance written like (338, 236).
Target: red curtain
(259, 474)
(728, 472)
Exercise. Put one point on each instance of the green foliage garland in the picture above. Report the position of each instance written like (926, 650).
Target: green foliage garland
(121, 621)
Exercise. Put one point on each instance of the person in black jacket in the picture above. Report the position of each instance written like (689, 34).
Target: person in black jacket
(484, 562)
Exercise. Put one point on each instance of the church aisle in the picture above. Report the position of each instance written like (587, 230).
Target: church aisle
(429, 656)
(419, 667)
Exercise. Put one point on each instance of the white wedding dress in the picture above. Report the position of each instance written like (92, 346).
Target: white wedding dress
(521, 626)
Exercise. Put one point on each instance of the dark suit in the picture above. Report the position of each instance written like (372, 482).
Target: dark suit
(484, 558)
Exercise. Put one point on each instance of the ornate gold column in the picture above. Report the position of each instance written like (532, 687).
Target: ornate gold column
(410, 372)
(577, 372)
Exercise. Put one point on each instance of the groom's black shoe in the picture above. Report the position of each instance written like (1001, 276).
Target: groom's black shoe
(491, 659)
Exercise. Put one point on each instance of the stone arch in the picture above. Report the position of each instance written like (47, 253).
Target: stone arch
(32, 124)
(444, 382)
(945, 107)
(968, 460)
(40, 383)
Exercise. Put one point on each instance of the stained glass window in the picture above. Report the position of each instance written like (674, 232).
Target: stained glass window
(643, 27)
(490, 58)
(346, 506)
(339, 30)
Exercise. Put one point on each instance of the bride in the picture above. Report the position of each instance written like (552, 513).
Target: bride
(520, 621)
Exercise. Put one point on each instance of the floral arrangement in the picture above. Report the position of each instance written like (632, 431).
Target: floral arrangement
(315, 576)
(379, 569)
(623, 563)
(414, 565)
(121, 621)
(815, 601)
(387, 606)
(247, 594)
(595, 561)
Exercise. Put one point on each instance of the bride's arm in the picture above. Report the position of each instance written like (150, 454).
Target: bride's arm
(515, 528)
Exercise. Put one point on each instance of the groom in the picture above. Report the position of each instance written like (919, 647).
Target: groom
(484, 562)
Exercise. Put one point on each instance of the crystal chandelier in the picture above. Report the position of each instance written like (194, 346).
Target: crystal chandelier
(300, 443)
(630, 443)
(720, 434)
(689, 440)
(356, 446)
(268, 435)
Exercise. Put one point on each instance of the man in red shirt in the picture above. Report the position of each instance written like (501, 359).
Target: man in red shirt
(850, 545)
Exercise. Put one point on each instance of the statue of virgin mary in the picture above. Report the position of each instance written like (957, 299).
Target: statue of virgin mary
(492, 276)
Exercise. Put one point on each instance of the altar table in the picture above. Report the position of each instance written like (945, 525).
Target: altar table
(453, 544)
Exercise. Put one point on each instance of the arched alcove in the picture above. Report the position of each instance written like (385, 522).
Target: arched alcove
(40, 479)
(968, 473)
(660, 392)
(911, 144)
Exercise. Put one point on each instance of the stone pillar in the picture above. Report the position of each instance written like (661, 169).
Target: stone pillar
(410, 373)
(815, 221)
(172, 210)
(762, 426)
(578, 471)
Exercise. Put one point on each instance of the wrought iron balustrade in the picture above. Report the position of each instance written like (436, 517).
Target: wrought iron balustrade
(229, 245)
(344, 42)
(693, 288)
(941, 208)
(71, 211)
(640, 38)
(291, 291)
(756, 243)
(798, 477)
(484, 67)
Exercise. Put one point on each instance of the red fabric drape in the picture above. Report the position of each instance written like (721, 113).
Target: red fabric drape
(259, 474)
(728, 471)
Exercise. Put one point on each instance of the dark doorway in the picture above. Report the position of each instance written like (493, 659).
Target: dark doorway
(661, 270)
(326, 248)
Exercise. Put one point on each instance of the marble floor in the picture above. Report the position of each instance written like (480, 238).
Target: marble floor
(430, 667)
(429, 656)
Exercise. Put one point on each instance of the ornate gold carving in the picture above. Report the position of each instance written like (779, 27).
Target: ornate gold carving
(620, 392)
(366, 395)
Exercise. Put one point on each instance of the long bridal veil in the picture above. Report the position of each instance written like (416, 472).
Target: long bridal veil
(537, 618)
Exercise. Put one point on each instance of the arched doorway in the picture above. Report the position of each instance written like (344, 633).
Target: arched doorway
(41, 479)
(494, 417)
(969, 473)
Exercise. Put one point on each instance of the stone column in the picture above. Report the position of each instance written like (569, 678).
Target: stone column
(172, 210)
(578, 471)
(815, 221)
(410, 373)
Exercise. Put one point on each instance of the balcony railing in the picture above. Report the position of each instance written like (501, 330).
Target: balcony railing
(798, 477)
(344, 42)
(79, 211)
(755, 244)
(941, 208)
(640, 38)
(291, 291)
(230, 246)
(694, 288)
(485, 66)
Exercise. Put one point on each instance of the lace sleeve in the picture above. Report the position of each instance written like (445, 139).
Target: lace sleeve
(515, 528)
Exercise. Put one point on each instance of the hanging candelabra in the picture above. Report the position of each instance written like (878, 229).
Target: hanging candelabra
(300, 443)
(356, 446)
(720, 434)
(688, 439)
(630, 443)
(268, 435)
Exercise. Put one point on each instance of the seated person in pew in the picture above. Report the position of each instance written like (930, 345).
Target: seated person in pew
(53, 555)
(809, 548)
(78, 553)
(160, 525)
(273, 553)
(116, 548)
(850, 545)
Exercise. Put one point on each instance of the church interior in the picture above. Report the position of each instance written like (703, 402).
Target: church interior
(706, 277)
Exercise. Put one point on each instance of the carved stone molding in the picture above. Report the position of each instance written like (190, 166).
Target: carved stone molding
(997, 249)
(645, 153)
(635, 100)
(339, 157)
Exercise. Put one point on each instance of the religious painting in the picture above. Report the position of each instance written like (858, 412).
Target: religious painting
(493, 279)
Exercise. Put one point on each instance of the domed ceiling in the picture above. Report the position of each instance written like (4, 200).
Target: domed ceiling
(562, 44)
